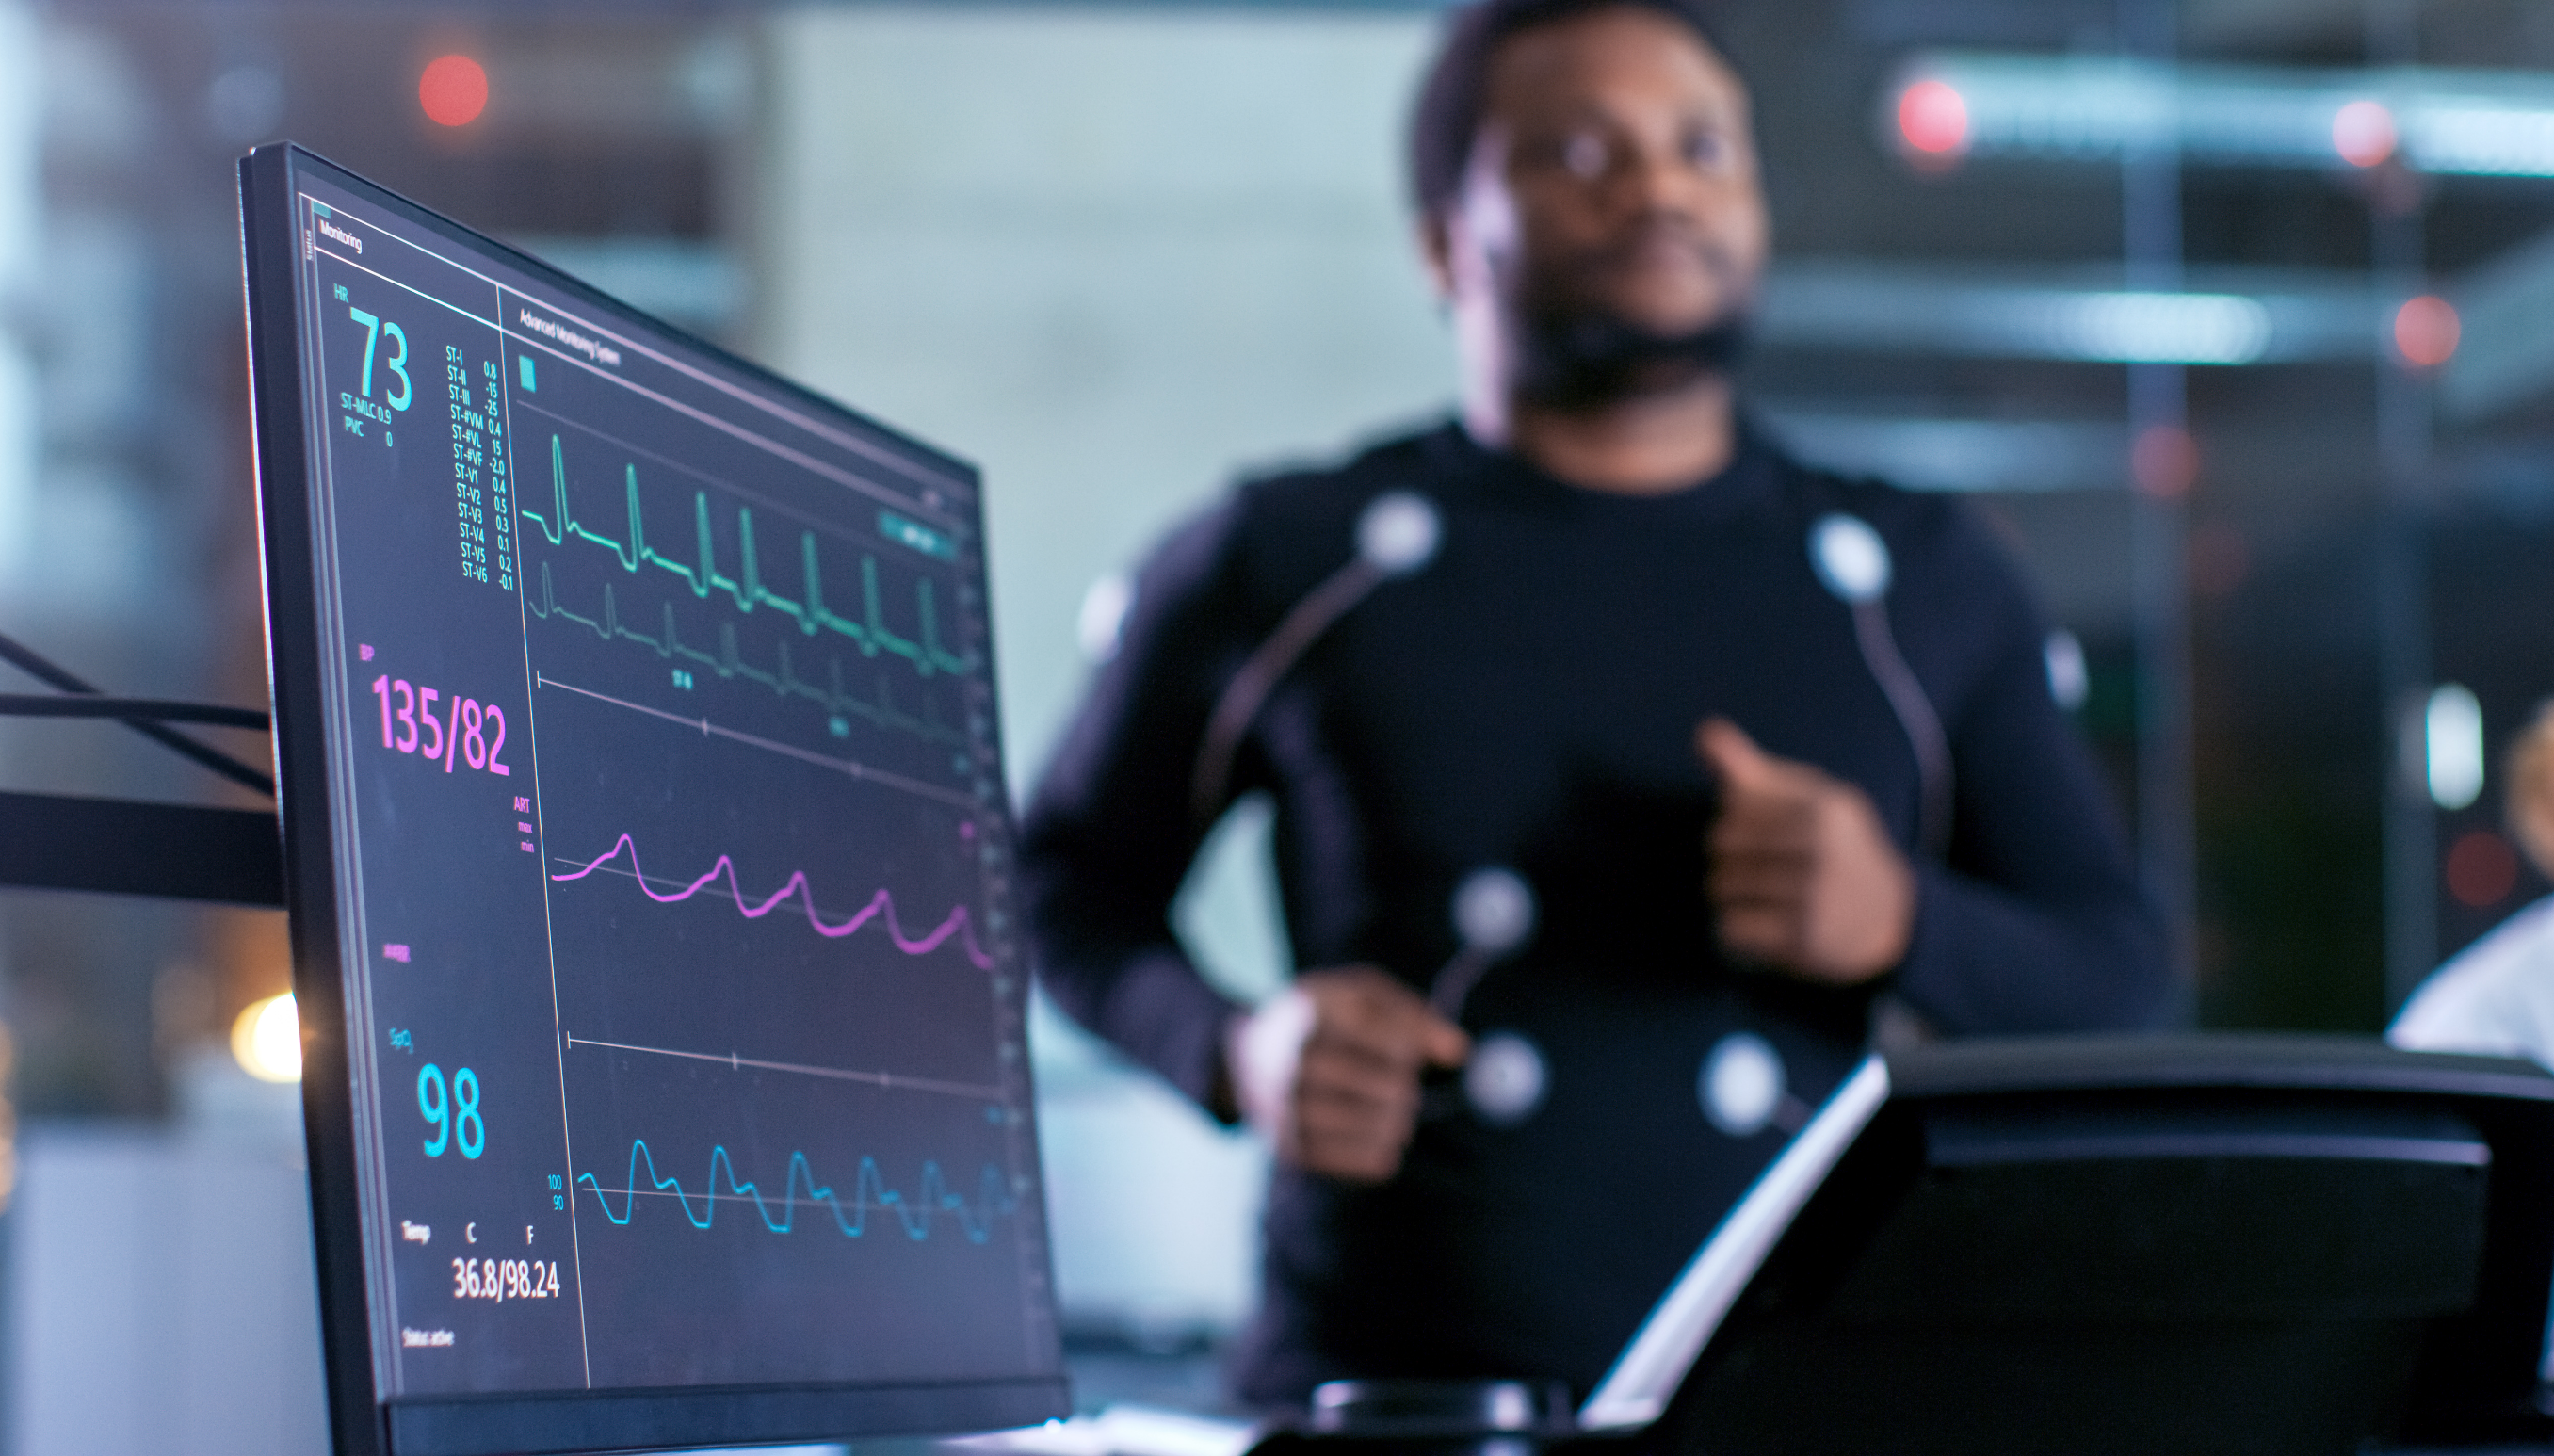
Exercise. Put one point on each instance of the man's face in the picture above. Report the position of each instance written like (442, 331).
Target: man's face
(1614, 181)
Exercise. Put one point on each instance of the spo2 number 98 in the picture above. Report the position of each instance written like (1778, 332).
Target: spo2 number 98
(454, 1114)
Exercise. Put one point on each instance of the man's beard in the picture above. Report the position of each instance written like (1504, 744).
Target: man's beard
(1586, 359)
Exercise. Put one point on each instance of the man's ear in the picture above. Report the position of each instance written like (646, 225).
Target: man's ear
(1437, 250)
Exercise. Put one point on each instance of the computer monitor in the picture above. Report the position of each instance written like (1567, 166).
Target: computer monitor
(648, 857)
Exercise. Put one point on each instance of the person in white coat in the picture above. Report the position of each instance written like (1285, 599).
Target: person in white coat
(2496, 995)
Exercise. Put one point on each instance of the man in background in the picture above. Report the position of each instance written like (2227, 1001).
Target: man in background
(2496, 995)
(1621, 765)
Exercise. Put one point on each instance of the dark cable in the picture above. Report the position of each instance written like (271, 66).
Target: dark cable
(35, 664)
(1905, 694)
(133, 709)
(1248, 690)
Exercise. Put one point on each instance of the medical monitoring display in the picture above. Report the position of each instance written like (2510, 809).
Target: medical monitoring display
(649, 850)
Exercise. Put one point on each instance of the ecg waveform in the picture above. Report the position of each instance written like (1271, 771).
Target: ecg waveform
(957, 926)
(727, 662)
(747, 589)
(869, 1194)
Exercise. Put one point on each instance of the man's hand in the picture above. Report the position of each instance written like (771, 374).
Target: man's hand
(1330, 1070)
(1802, 875)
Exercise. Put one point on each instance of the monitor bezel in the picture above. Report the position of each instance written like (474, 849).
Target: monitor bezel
(361, 1421)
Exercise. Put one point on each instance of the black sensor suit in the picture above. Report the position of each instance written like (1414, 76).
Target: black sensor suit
(1524, 696)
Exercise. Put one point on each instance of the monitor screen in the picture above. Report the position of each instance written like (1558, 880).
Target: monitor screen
(647, 850)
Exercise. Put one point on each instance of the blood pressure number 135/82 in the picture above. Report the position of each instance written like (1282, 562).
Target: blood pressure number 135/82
(475, 733)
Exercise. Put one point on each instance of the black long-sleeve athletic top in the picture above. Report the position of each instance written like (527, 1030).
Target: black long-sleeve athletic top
(1528, 698)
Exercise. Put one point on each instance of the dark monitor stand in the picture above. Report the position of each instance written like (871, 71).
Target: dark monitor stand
(2187, 1246)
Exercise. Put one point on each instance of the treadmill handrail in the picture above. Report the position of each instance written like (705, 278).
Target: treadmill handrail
(1646, 1376)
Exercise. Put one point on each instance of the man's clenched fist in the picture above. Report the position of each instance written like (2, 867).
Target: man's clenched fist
(1802, 875)
(1329, 1069)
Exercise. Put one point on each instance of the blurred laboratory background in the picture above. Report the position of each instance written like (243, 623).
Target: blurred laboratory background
(2237, 316)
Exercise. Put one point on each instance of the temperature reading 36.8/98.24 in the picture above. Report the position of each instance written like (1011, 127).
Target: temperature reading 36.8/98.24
(504, 1278)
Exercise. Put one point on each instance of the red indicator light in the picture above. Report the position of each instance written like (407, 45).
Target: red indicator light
(2426, 331)
(2363, 132)
(453, 90)
(2481, 869)
(2165, 461)
(1934, 119)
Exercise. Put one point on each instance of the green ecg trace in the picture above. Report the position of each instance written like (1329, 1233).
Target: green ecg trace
(782, 678)
(747, 588)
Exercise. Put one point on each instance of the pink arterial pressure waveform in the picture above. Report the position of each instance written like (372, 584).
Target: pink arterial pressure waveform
(957, 925)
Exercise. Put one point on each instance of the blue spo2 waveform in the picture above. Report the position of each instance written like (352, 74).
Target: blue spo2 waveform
(933, 1202)
(594, 594)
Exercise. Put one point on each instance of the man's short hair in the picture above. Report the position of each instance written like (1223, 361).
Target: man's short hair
(1447, 118)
